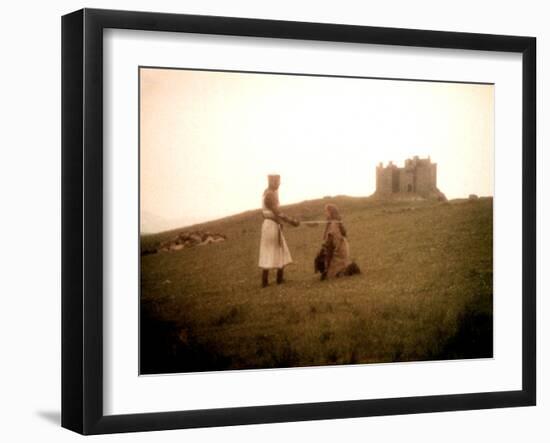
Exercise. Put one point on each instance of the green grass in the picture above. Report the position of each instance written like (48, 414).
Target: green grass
(425, 291)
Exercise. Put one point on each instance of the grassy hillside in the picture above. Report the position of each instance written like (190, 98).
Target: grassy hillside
(425, 291)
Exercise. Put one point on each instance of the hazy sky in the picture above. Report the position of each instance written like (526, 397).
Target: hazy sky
(208, 139)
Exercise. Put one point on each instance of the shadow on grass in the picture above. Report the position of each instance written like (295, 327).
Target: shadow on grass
(166, 348)
(474, 337)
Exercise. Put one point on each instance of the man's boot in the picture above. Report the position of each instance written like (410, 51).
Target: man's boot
(280, 276)
(265, 278)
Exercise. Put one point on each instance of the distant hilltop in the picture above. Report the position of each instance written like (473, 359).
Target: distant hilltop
(417, 180)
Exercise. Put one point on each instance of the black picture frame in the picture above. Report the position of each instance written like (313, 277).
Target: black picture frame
(82, 218)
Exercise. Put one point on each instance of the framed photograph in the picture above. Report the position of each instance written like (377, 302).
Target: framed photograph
(269, 221)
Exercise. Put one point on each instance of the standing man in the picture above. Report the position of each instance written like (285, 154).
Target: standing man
(274, 253)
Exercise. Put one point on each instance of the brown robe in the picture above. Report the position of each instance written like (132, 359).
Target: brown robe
(337, 249)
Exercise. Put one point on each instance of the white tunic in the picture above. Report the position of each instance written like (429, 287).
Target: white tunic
(274, 253)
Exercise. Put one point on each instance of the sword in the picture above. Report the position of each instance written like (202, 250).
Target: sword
(313, 223)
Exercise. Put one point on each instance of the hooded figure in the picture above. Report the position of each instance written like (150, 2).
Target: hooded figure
(334, 260)
(274, 252)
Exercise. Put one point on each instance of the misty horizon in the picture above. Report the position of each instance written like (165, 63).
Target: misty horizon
(208, 139)
(183, 223)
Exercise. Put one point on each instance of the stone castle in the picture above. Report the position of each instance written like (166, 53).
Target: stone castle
(416, 180)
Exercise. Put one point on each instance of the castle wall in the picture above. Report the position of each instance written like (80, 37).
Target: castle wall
(395, 176)
(384, 180)
(406, 180)
(423, 180)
